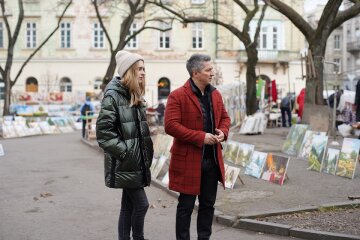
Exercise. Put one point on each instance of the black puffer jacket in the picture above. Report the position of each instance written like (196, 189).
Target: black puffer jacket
(122, 131)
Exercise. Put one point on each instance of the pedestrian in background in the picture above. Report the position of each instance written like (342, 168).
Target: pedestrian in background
(122, 131)
(196, 117)
(286, 106)
(160, 109)
(86, 110)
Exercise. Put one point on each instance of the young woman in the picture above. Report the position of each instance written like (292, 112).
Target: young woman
(123, 133)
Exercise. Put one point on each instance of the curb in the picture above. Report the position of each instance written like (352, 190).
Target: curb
(247, 222)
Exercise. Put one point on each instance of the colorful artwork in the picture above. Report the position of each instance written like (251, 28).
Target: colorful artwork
(330, 161)
(245, 151)
(275, 168)
(256, 165)
(231, 151)
(294, 139)
(348, 158)
(307, 142)
(317, 152)
(231, 174)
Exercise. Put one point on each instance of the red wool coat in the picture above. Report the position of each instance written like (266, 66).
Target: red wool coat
(184, 121)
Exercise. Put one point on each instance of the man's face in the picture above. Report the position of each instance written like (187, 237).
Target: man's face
(205, 75)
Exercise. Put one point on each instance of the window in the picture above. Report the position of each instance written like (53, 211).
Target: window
(337, 67)
(30, 35)
(65, 35)
(197, 35)
(275, 38)
(97, 84)
(2, 90)
(337, 42)
(263, 37)
(197, 1)
(164, 38)
(1, 35)
(65, 85)
(98, 36)
(133, 43)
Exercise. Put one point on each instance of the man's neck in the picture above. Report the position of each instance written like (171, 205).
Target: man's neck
(200, 86)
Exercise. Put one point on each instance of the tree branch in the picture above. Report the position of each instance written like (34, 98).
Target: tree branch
(343, 16)
(293, 16)
(94, 2)
(257, 32)
(242, 5)
(42, 44)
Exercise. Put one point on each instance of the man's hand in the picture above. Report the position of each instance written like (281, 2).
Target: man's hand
(219, 135)
(210, 139)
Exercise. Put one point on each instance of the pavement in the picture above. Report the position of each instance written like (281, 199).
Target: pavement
(302, 190)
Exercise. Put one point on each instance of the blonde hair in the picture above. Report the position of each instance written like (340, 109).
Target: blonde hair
(136, 88)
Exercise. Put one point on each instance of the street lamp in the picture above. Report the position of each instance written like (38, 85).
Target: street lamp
(336, 88)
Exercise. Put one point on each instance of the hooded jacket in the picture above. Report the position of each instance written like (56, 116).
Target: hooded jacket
(123, 133)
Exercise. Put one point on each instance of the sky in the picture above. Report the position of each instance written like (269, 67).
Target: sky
(311, 4)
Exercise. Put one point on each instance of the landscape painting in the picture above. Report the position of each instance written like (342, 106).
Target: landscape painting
(330, 161)
(231, 151)
(245, 151)
(317, 152)
(275, 168)
(348, 158)
(307, 142)
(231, 174)
(256, 165)
(294, 139)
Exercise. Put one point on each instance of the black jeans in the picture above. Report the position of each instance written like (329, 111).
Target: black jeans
(134, 205)
(283, 117)
(83, 128)
(207, 198)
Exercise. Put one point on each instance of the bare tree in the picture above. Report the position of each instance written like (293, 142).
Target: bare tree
(243, 34)
(134, 9)
(12, 38)
(330, 19)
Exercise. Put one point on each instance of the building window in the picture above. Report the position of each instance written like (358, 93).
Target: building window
(197, 36)
(98, 36)
(197, 1)
(337, 68)
(163, 88)
(275, 38)
(263, 36)
(337, 42)
(31, 85)
(97, 84)
(65, 85)
(2, 89)
(164, 37)
(65, 32)
(1, 35)
(30, 35)
(133, 42)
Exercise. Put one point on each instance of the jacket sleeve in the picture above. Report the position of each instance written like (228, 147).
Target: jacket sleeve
(107, 133)
(225, 121)
(175, 128)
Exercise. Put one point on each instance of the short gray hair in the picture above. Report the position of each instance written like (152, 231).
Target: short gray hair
(195, 62)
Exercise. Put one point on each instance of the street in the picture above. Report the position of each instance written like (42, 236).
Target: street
(52, 188)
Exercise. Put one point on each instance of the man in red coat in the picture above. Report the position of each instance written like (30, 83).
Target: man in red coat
(196, 117)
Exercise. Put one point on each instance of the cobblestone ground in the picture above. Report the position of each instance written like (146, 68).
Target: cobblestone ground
(344, 221)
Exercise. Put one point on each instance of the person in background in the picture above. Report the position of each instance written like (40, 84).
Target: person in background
(123, 133)
(300, 102)
(160, 110)
(196, 117)
(286, 106)
(86, 110)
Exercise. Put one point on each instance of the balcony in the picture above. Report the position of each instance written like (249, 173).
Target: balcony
(271, 56)
(353, 46)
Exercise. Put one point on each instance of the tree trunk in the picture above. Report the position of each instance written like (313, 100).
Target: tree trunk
(7, 82)
(251, 103)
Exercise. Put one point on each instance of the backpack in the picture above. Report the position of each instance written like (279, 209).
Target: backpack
(86, 108)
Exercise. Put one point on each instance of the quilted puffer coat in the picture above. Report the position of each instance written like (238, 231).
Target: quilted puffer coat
(122, 131)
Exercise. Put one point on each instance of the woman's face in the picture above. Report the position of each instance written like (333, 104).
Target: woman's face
(140, 71)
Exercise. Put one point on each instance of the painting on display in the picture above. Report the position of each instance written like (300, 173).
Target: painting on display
(307, 142)
(330, 161)
(157, 166)
(256, 165)
(231, 174)
(294, 139)
(231, 151)
(317, 152)
(165, 179)
(245, 151)
(275, 168)
(348, 158)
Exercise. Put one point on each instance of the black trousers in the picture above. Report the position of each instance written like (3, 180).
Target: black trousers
(134, 205)
(287, 111)
(207, 198)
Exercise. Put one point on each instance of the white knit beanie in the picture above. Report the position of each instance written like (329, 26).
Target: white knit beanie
(124, 60)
